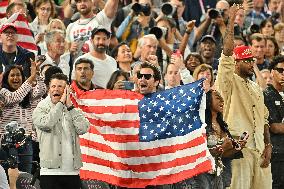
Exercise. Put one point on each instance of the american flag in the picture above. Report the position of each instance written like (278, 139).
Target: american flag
(25, 36)
(112, 151)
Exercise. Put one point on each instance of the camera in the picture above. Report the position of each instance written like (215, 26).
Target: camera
(138, 8)
(168, 9)
(159, 32)
(41, 58)
(128, 85)
(214, 13)
(10, 162)
(14, 136)
(254, 28)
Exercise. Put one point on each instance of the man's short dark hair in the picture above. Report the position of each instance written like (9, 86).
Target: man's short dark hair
(59, 76)
(85, 61)
(49, 72)
(276, 60)
(157, 75)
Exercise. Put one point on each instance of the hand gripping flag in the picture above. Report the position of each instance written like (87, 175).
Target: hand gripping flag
(170, 124)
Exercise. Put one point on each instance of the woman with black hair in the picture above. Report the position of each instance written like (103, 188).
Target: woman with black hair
(18, 93)
(222, 146)
(117, 80)
(123, 56)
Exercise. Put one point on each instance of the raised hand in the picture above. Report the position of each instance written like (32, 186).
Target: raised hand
(228, 36)
(177, 60)
(68, 99)
(64, 96)
(190, 25)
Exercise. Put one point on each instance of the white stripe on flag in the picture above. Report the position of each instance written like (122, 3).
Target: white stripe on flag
(26, 38)
(144, 160)
(142, 175)
(144, 145)
(113, 117)
(107, 102)
(21, 24)
(117, 130)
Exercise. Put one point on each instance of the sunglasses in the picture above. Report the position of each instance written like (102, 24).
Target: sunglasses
(146, 76)
(250, 60)
(280, 70)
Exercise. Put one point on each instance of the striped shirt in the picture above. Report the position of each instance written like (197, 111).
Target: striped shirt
(12, 111)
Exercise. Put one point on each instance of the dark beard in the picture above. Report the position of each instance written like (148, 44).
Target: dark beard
(100, 49)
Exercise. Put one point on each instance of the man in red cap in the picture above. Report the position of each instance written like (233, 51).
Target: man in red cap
(10, 52)
(244, 111)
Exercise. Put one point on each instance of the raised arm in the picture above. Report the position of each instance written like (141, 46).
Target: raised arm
(111, 8)
(185, 38)
(40, 89)
(18, 95)
(226, 66)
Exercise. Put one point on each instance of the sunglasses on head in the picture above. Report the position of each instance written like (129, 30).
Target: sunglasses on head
(146, 76)
(280, 70)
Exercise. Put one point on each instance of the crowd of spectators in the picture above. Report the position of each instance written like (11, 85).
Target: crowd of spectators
(149, 46)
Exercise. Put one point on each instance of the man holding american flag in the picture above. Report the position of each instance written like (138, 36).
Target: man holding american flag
(154, 140)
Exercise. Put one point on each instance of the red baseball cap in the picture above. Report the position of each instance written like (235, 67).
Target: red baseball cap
(242, 52)
(8, 25)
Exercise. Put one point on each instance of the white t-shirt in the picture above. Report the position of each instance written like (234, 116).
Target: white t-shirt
(103, 69)
(82, 28)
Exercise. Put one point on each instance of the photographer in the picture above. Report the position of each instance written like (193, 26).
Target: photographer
(136, 24)
(219, 18)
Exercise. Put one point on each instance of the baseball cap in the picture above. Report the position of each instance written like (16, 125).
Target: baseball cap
(8, 25)
(242, 52)
(100, 29)
(208, 37)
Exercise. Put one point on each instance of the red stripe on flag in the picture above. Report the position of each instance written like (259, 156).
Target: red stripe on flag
(115, 138)
(141, 183)
(104, 94)
(26, 45)
(142, 153)
(24, 31)
(109, 109)
(115, 124)
(144, 167)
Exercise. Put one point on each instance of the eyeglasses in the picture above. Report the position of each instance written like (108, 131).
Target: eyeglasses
(9, 33)
(250, 60)
(280, 70)
(45, 9)
(146, 76)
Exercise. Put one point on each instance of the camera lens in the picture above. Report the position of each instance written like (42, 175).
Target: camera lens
(213, 13)
(167, 9)
(136, 7)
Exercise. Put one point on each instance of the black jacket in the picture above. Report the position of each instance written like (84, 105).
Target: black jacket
(22, 58)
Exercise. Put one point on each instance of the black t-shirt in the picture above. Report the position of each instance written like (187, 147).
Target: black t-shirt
(275, 105)
(10, 58)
